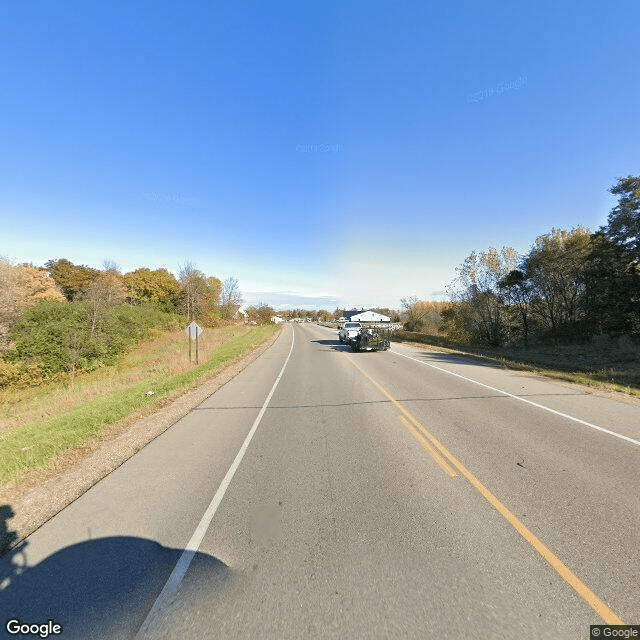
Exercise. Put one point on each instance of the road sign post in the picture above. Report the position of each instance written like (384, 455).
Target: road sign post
(193, 330)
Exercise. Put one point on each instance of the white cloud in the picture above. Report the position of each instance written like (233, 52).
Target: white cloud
(287, 300)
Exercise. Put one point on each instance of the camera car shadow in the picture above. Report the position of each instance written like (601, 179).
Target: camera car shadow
(102, 588)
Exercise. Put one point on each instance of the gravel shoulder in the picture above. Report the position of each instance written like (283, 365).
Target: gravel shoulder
(45, 493)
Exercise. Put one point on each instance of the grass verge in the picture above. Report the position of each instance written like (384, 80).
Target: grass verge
(594, 365)
(35, 444)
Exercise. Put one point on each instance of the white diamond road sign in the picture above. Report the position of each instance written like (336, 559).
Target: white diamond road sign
(194, 330)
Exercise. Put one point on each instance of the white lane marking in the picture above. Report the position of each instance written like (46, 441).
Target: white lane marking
(193, 545)
(535, 404)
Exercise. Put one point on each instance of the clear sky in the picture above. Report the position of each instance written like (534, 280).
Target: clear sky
(328, 153)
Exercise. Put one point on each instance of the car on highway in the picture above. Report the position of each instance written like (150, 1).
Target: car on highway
(348, 331)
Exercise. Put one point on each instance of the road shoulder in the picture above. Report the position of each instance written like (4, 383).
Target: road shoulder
(45, 493)
(528, 370)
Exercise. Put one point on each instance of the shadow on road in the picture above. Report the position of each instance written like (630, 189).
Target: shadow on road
(100, 588)
(451, 358)
(334, 345)
(7, 538)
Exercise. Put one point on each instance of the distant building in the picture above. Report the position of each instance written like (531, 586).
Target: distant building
(365, 316)
(277, 319)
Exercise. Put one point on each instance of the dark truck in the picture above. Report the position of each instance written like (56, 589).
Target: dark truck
(371, 338)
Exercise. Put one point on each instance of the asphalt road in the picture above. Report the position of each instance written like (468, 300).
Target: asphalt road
(330, 494)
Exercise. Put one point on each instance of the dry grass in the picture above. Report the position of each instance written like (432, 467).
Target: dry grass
(165, 356)
(75, 417)
(602, 363)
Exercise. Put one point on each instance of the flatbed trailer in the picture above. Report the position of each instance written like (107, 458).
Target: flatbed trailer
(372, 338)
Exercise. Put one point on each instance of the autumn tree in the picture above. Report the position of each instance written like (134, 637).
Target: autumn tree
(230, 298)
(21, 287)
(611, 298)
(411, 313)
(481, 312)
(210, 312)
(554, 267)
(7, 300)
(159, 286)
(193, 283)
(517, 291)
(456, 322)
(418, 315)
(623, 224)
(106, 290)
(215, 289)
(260, 314)
(72, 279)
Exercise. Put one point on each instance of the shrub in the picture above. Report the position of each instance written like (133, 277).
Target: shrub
(9, 373)
(54, 337)
(20, 374)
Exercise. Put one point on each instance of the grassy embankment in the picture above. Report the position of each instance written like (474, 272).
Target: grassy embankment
(602, 363)
(37, 425)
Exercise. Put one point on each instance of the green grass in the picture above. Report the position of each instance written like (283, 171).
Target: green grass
(34, 445)
(163, 356)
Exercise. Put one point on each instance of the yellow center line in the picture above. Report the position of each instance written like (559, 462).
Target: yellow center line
(608, 615)
(412, 424)
(425, 445)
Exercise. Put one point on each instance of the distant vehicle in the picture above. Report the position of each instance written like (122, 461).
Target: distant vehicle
(349, 330)
(371, 339)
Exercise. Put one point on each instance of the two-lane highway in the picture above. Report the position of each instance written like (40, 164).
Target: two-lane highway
(330, 494)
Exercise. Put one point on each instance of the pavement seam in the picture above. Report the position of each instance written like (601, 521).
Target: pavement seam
(515, 397)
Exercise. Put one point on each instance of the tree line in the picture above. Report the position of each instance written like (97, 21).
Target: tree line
(570, 286)
(61, 318)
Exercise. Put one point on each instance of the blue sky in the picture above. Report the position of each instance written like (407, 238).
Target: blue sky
(324, 154)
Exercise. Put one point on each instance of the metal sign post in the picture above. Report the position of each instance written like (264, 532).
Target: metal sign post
(193, 331)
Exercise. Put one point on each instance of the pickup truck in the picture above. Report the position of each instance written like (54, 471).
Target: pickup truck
(348, 331)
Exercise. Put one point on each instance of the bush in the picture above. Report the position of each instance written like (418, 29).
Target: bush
(54, 337)
(425, 338)
(19, 374)
(413, 325)
(9, 373)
